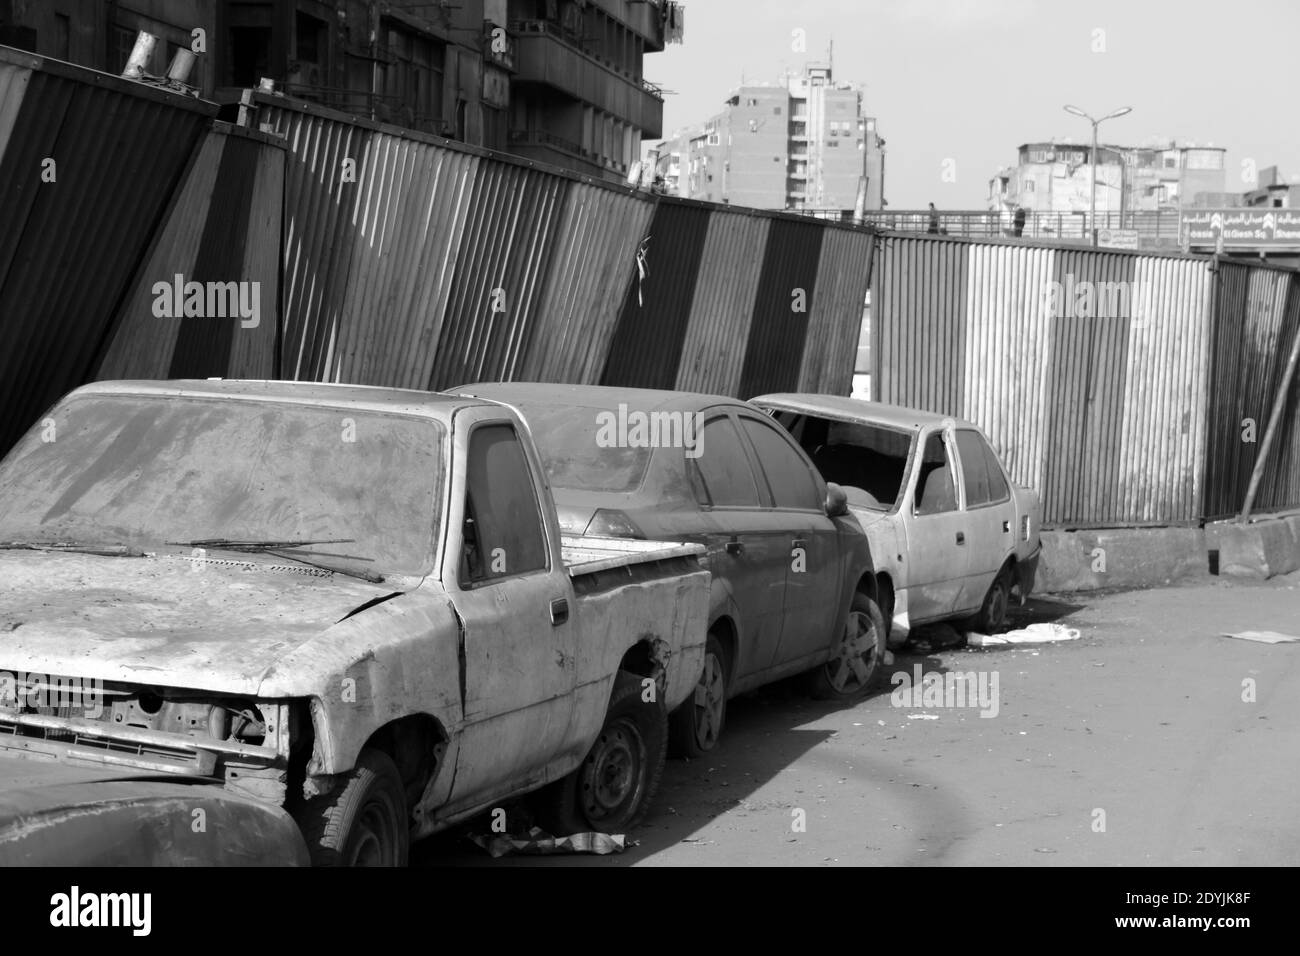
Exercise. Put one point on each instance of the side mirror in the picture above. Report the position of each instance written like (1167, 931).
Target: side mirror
(837, 503)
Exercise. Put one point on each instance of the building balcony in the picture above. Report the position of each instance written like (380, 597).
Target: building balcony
(545, 57)
(546, 147)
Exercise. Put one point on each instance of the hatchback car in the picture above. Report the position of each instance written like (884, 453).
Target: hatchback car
(793, 585)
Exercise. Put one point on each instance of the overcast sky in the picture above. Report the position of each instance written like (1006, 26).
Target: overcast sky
(969, 80)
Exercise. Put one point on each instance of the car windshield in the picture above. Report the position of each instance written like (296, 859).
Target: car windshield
(869, 461)
(145, 471)
(582, 450)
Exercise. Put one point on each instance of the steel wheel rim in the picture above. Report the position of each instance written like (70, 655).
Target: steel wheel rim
(851, 667)
(710, 698)
(612, 773)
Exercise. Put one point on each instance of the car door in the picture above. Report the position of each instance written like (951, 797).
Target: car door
(990, 516)
(937, 530)
(813, 576)
(515, 600)
(748, 548)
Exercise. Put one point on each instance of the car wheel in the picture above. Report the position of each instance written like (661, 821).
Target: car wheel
(613, 786)
(696, 726)
(364, 821)
(858, 655)
(993, 613)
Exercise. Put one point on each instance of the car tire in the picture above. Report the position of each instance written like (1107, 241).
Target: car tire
(696, 726)
(993, 612)
(364, 821)
(612, 788)
(862, 641)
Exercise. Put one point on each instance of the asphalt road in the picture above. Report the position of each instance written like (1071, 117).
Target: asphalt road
(1130, 746)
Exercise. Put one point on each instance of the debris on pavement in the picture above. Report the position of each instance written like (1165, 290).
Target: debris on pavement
(540, 843)
(1265, 637)
(1033, 634)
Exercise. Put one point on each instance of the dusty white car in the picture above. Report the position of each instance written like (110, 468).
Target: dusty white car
(952, 536)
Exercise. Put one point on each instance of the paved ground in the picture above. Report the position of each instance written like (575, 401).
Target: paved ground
(1142, 718)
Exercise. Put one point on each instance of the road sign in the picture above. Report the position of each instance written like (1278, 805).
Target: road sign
(1242, 228)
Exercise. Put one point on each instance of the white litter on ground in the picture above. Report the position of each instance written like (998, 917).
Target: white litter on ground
(1033, 634)
(1265, 637)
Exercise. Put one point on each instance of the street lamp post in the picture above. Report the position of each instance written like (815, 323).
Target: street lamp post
(1092, 201)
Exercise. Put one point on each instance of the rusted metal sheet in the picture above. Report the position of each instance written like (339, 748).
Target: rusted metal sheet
(647, 344)
(590, 268)
(918, 315)
(1280, 488)
(1161, 457)
(835, 322)
(1089, 348)
(510, 232)
(406, 224)
(223, 227)
(723, 306)
(1008, 329)
(71, 245)
(787, 287)
(1251, 304)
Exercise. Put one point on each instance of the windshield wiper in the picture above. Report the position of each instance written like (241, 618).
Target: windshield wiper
(286, 549)
(76, 547)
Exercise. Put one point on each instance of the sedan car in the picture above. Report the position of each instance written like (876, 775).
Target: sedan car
(953, 537)
(793, 587)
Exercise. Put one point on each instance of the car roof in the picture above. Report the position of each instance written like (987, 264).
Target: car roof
(405, 401)
(593, 396)
(856, 410)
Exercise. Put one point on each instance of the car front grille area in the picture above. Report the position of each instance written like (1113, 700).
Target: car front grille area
(13, 732)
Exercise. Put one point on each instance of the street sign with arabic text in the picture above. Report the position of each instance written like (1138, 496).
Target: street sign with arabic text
(1241, 228)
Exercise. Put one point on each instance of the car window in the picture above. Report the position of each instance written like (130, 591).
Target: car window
(723, 467)
(998, 490)
(503, 533)
(582, 449)
(788, 475)
(935, 492)
(974, 471)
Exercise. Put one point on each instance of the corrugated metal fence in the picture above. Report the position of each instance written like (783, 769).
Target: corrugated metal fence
(88, 164)
(1126, 388)
(416, 262)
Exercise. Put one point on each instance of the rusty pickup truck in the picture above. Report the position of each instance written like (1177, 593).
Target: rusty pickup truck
(351, 603)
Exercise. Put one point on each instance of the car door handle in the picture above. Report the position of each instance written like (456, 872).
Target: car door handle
(961, 537)
(559, 611)
(735, 546)
(798, 543)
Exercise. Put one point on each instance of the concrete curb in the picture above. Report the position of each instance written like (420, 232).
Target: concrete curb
(1156, 557)
(1121, 558)
(1259, 549)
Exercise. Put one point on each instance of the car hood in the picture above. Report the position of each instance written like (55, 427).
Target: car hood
(168, 620)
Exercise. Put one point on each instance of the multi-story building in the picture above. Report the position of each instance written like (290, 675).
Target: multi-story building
(580, 98)
(1272, 191)
(802, 144)
(559, 81)
(1056, 176)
